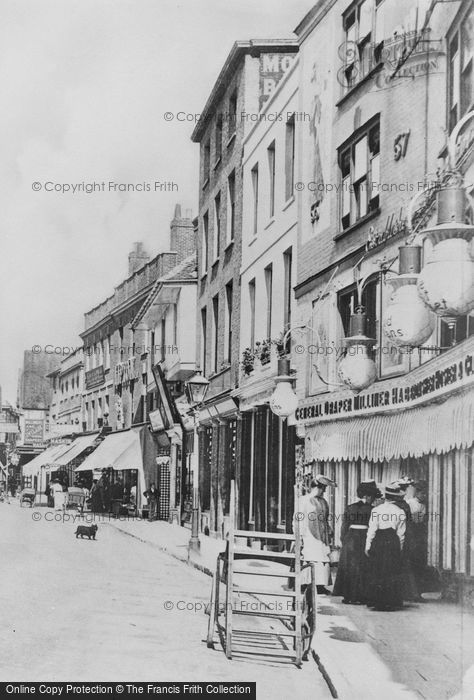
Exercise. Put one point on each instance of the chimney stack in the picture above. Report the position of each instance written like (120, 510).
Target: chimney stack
(182, 234)
(137, 258)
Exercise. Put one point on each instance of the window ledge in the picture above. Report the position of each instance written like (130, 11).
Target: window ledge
(215, 262)
(205, 184)
(229, 245)
(361, 82)
(218, 373)
(272, 221)
(252, 241)
(288, 202)
(358, 224)
(217, 163)
(231, 139)
(203, 277)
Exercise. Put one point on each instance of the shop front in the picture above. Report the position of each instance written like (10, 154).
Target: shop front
(420, 425)
(266, 475)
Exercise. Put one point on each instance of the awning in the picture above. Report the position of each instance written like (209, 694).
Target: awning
(74, 449)
(438, 427)
(120, 451)
(46, 457)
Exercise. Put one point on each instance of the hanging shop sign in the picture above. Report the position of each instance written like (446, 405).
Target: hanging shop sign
(156, 421)
(125, 371)
(452, 375)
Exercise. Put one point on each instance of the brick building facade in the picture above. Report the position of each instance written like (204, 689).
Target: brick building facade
(378, 138)
(249, 76)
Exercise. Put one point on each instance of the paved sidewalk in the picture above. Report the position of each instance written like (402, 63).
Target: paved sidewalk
(364, 654)
(428, 646)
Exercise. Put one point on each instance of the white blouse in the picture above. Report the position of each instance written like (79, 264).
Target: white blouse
(386, 515)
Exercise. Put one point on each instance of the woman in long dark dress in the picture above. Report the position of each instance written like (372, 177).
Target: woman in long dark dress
(96, 498)
(409, 587)
(351, 579)
(384, 545)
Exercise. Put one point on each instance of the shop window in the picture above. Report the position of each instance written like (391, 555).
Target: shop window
(454, 330)
(347, 303)
(359, 164)
(460, 66)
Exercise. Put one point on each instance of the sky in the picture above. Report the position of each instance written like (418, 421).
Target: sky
(85, 86)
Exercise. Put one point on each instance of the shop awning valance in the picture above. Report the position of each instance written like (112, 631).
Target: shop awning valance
(119, 450)
(438, 427)
(74, 450)
(45, 458)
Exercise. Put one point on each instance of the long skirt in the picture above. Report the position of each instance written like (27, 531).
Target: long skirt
(409, 585)
(352, 571)
(385, 559)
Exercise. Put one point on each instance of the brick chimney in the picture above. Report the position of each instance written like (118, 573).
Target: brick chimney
(182, 234)
(137, 258)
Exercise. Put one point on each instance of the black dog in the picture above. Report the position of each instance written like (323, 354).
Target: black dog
(86, 531)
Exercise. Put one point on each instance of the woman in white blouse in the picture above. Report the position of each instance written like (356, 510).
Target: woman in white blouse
(384, 544)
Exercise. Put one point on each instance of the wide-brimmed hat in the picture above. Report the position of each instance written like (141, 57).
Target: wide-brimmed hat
(393, 490)
(322, 480)
(404, 482)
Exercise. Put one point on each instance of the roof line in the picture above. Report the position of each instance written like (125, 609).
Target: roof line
(239, 49)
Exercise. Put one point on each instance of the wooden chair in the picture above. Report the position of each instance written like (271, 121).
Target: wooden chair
(247, 573)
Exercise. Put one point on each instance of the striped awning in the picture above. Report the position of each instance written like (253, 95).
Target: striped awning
(438, 427)
(121, 450)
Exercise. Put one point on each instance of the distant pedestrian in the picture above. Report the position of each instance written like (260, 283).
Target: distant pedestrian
(58, 495)
(104, 489)
(352, 572)
(385, 539)
(153, 497)
(96, 497)
(315, 529)
(117, 491)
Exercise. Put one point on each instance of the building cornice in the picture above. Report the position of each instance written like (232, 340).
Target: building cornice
(254, 47)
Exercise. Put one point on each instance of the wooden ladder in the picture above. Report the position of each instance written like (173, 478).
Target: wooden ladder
(296, 623)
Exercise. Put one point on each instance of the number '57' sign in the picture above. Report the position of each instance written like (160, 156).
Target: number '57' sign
(400, 145)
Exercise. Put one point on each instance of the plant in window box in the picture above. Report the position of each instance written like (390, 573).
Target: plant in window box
(264, 351)
(248, 361)
(280, 348)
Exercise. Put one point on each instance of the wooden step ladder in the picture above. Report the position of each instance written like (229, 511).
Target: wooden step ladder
(291, 634)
